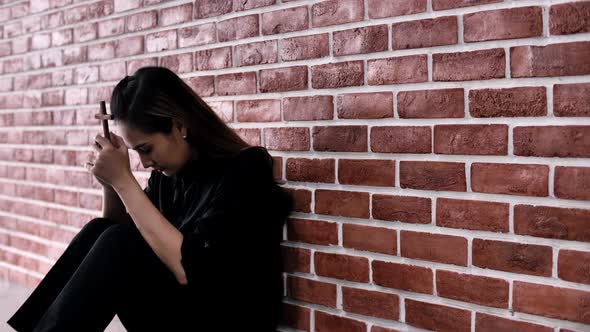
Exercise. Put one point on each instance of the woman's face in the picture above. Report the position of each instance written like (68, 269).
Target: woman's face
(162, 152)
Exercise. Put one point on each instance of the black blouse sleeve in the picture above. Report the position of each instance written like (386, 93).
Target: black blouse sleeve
(246, 195)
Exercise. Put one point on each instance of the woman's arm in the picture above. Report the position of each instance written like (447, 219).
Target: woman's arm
(112, 207)
(158, 232)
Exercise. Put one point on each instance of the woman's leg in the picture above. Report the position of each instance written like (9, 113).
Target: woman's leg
(51, 285)
(116, 270)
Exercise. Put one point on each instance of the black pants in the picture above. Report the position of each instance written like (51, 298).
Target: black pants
(107, 269)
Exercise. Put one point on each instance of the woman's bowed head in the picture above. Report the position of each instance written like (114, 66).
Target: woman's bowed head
(165, 121)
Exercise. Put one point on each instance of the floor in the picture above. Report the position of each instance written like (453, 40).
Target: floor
(12, 295)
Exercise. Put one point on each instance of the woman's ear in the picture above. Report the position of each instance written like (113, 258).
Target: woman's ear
(177, 125)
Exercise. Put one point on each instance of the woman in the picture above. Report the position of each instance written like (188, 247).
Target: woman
(196, 250)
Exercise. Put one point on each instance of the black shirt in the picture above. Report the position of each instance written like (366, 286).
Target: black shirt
(231, 213)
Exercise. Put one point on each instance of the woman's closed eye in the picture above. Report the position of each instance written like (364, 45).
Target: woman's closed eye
(144, 151)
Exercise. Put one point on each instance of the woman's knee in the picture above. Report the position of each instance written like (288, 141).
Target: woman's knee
(121, 236)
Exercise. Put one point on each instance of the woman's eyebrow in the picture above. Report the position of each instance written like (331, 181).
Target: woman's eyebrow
(139, 145)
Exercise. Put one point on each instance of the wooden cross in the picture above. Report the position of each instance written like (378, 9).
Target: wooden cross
(103, 116)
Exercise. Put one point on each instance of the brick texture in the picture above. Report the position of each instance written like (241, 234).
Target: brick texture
(437, 151)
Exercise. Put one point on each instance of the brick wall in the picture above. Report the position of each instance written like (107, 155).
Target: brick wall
(438, 150)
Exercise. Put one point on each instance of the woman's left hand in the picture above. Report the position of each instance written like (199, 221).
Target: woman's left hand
(111, 162)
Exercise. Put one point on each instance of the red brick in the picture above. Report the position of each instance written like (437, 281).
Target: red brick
(197, 35)
(552, 141)
(425, 33)
(129, 46)
(401, 139)
(108, 72)
(513, 257)
(238, 28)
(360, 40)
(283, 79)
(75, 55)
(301, 198)
(308, 108)
(554, 302)
(287, 139)
(368, 172)
(142, 21)
(383, 240)
(160, 41)
(256, 53)
(574, 266)
(370, 303)
(431, 104)
(52, 98)
(235, 84)
(471, 139)
(466, 66)
(312, 231)
(325, 323)
(178, 63)
(285, 20)
(209, 8)
(123, 5)
(509, 102)
(310, 170)
(83, 33)
(571, 99)
(340, 138)
(572, 182)
(389, 8)
(296, 259)
(251, 4)
(568, 18)
(252, 136)
(311, 291)
(448, 4)
(503, 24)
(434, 247)
(345, 267)
(552, 60)
(175, 15)
(469, 214)
(404, 69)
(225, 110)
(410, 278)
(111, 27)
(337, 75)
(342, 203)
(134, 65)
(365, 105)
(489, 323)
(259, 110)
(296, 316)
(334, 12)
(491, 292)
(204, 86)
(88, 12)
(63, 37)
(305, 47)
(216, 58)
(416, 210)
(552, 222)
(431, 175)
(510, 179)
(437, 317)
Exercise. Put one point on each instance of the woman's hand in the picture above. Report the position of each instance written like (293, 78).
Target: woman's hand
(110, 162)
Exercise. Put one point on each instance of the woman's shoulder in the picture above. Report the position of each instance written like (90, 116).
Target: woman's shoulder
(251, 161)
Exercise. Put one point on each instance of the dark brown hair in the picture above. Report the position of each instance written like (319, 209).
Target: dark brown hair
(152, 97)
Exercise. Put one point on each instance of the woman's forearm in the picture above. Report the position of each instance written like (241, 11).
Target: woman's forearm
(112, 206)
(158, 232)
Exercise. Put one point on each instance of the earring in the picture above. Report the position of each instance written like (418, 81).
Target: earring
(183, 136)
